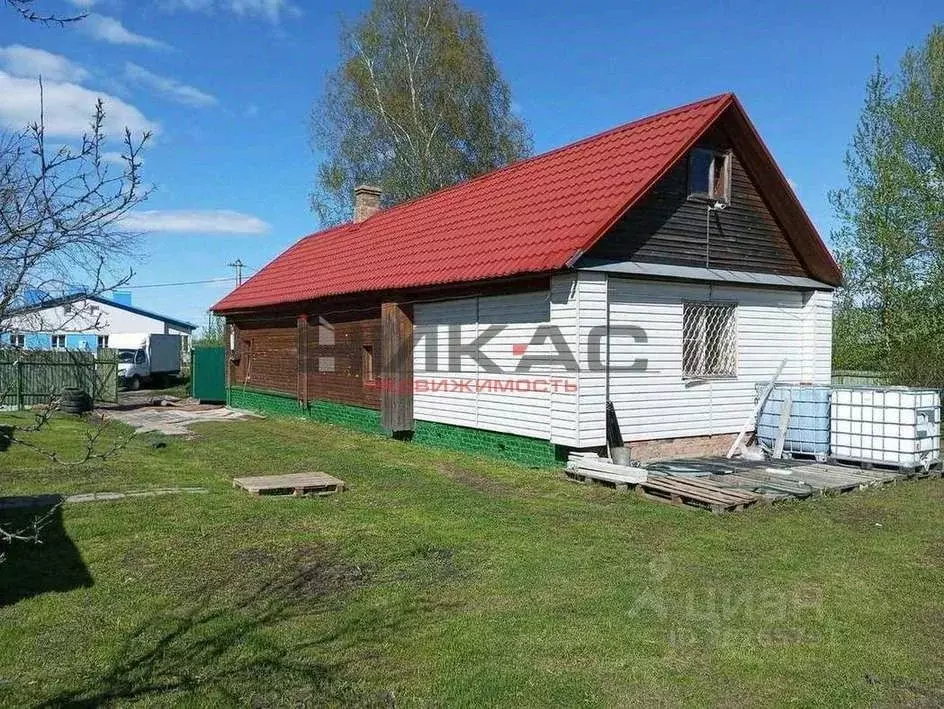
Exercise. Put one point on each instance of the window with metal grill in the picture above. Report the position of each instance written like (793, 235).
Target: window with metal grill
(709, 340)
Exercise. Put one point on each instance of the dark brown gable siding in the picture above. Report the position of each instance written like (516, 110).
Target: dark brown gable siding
(667, 227)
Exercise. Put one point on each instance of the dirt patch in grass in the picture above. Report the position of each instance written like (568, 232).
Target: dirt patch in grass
(319, 574)
(475, 480)
(431, 565)
(302, 574)
(906, 693)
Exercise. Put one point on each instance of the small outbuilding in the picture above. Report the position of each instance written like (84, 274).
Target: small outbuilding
(665, 266)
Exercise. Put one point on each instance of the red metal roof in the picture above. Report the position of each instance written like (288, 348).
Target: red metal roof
(534, 216)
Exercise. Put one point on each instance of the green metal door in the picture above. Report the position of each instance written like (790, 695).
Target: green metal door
(208, 374)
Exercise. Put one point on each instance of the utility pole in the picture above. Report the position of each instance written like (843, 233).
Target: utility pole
(238, 265)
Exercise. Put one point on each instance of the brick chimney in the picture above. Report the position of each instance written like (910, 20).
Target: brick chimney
(366, 202)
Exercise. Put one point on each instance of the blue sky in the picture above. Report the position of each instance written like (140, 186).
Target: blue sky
(228, 85)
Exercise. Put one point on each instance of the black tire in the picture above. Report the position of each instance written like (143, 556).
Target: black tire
(134, 383)
(74, 401)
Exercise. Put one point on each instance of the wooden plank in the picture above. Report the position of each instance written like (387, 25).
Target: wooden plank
(701, 488)
(753, 416)
(785, 408)
(770, 490)
(751, 478)
(828, 481)
(672, 486)
(710, 486)
(302, 358)
(617, 478)
(605, 466)
(677, 492)
(396, 366)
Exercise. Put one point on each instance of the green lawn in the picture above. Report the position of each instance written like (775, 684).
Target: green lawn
(440, 579)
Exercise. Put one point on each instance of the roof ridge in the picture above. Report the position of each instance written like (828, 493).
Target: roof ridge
(534, 158)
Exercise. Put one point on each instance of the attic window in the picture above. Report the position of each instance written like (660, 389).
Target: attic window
(709, 175)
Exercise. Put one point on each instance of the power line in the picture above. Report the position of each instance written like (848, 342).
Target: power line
(226, 279)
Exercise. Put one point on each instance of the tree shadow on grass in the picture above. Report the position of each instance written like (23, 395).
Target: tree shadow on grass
(236, 642)
(50, 564)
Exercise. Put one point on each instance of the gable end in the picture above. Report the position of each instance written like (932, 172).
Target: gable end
(667, 227)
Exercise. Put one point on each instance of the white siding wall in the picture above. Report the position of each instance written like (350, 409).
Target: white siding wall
(578, 306)
(771, 324)
(92, 318)
(467, 394)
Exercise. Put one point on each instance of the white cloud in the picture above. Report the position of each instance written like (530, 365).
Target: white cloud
(31, 63)
(195, 221)
(84, 4)
(67, 108)
(271, 10)
(167, 87)
(252, 110)
(116, 158)
(108, 29)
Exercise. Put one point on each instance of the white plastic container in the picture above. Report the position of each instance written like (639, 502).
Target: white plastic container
(886, 426)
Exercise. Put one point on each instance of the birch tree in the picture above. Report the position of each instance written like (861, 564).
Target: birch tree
(416, 104)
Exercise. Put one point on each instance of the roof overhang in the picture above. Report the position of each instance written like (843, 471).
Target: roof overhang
(641, 269)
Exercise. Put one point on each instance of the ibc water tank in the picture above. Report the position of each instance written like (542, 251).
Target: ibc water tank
(808, 426)
(890, 426)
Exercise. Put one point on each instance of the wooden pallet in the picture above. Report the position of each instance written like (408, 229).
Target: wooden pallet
(907, 470)
(804, 480)
(292, 484)
(621, 483)
(696, 492)
(772, 488)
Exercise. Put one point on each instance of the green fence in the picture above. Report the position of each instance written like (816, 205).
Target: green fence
(30, 377)
(855, 377)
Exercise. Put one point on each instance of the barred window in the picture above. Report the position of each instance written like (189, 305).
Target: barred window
(709, 340)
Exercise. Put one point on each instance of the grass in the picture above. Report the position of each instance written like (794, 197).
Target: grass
(440, 579)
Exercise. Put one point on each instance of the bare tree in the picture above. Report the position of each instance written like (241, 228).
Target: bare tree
(61, 209)
(27, 10)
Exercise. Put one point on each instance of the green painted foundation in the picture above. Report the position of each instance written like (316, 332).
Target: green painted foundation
(506, 446)
(520, 449)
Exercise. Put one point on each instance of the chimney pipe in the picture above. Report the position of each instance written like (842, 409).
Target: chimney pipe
(366, 202)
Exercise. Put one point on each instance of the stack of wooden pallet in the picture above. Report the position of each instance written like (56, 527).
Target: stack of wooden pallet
(674, 489)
